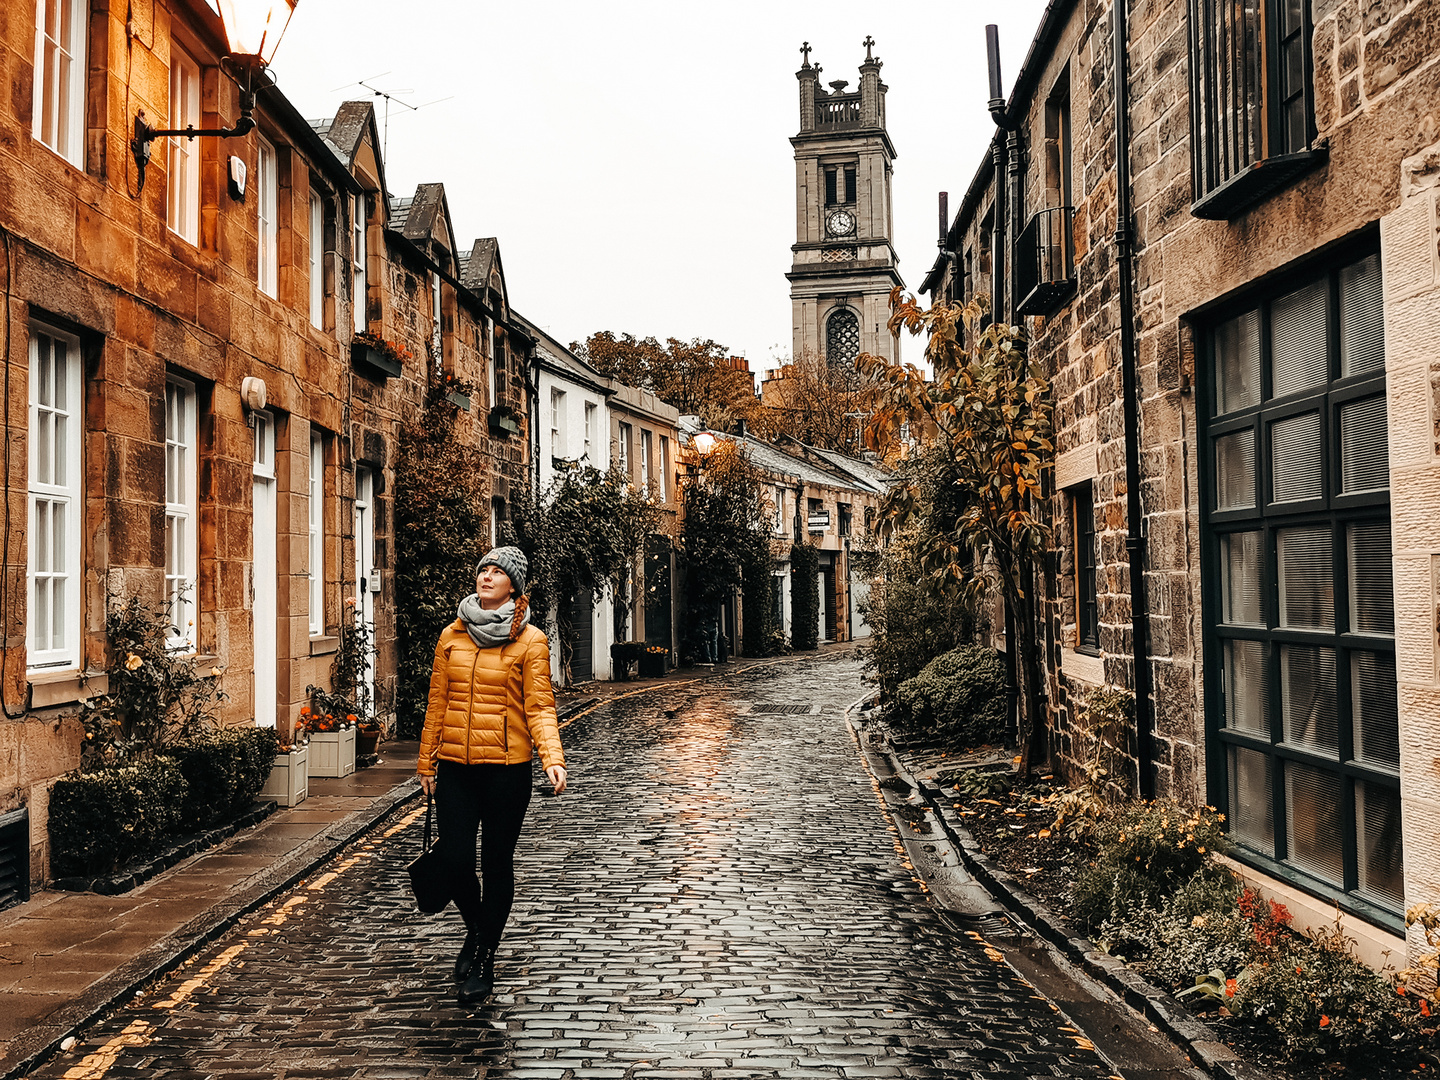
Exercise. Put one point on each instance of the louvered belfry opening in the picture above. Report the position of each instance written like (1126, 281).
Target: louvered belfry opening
(1301, 681)
(14, 857)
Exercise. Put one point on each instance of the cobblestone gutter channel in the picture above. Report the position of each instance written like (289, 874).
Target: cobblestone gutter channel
(940, 844)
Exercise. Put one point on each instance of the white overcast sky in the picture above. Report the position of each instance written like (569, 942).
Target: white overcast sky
(633, 158)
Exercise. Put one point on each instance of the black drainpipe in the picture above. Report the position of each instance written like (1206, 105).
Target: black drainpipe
(1135, 538)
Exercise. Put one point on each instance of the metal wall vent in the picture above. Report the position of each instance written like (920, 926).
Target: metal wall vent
(15, 857)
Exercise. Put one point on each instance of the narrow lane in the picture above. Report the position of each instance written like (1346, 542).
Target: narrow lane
(718, 895)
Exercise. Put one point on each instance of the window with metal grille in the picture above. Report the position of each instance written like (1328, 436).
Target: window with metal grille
(14, 857)
(1251, 101)
(1301, 694)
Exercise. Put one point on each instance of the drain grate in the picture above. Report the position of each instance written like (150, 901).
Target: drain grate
(781, 710)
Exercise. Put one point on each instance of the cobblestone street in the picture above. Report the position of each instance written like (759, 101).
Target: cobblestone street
(719, 894)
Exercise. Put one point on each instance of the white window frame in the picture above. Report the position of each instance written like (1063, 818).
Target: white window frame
(664, 468)
(267, 198)
(590, 411)
(647, 447)
(317, 262)
(182, 512)
(317, 533)
(436, 324)
(58, 119)
(557, 423)
(55, 437)
(623, 441)
(358, 285)
(492, 365)
(182, 207)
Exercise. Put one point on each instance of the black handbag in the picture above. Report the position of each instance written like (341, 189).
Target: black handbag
(430, 878)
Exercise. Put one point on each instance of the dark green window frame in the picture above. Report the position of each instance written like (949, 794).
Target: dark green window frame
(1300, 685)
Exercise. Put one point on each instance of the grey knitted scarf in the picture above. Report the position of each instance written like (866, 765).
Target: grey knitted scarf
(488, 628)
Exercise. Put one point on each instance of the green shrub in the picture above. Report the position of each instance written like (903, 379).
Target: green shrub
(1147, 851)
(224, 770)
(100, 821)
(1199, 930)
(1324, 1002)
(911, 622)
(959, 696)
(804, 597)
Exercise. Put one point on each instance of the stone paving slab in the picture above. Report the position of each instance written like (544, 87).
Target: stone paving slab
(720, 894)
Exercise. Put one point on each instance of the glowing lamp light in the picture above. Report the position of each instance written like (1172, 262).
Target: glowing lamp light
(255, 27)
(704, 442)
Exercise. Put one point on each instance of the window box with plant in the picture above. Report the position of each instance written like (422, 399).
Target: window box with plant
(373, 354)
(503, 421)
(332, 741)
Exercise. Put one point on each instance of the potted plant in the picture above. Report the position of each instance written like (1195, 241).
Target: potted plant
(380, 357)
(367, 739)
(622, 655)
(289, 780)
(654, 662)
(332, 742)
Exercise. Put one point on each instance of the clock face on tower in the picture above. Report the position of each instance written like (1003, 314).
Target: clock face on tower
(840, 223)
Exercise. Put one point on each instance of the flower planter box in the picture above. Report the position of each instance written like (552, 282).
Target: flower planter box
(289, 780)
(502, 422)
(654, 665)
(374, 362)
(332, 753)
(460, 401)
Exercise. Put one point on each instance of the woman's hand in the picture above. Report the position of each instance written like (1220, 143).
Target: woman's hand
(427, 784)
(557, 774)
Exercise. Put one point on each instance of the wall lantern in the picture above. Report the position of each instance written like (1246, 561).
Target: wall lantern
(253, 29)
(704, 442)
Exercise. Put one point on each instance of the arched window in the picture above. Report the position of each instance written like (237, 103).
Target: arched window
(842, 336)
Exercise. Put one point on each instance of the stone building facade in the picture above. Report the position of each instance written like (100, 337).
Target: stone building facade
(207, 367)
(1231, 289)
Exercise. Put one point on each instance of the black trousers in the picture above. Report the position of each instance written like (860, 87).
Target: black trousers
(487, 802)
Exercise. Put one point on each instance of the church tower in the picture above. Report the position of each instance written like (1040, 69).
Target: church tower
(845, 263)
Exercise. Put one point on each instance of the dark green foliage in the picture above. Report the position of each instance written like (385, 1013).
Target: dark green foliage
(156, 696)
(442, 528)
(764, 636)
(1147, 851)
(102, 820)
(959, 697)
(804, 597)
(224, 770)
(726, 542)
(914, 620)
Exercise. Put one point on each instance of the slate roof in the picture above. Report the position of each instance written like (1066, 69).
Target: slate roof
(860, 469)
(400, 213)
(476, 266)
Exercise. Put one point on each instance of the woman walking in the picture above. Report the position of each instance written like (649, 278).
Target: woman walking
(491, 706)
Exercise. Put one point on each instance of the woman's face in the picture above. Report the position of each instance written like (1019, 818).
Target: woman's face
(492, 586)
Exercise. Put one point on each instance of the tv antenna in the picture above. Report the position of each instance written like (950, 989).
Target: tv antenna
(389, 96)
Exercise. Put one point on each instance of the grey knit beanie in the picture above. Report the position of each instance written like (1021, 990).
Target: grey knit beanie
(510, 559)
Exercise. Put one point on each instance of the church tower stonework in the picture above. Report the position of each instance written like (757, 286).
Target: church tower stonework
(845, 262)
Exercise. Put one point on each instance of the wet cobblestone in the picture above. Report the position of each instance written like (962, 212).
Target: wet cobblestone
(718, 895)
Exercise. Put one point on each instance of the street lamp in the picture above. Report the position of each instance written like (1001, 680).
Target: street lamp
(253, 29)
(704, 442)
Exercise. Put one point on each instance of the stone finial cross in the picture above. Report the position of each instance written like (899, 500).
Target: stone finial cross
(869, 44)
(805, 50)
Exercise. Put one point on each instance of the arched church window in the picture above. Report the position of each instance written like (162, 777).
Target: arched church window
(842, 336)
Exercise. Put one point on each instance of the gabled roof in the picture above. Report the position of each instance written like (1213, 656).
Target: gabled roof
(351, 132)
(858, 468)
(424, 220)
(475, 267)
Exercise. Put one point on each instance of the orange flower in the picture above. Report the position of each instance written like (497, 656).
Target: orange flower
(1324, 1020)
(1229, 987)
(304, 710)
(1424, 1007)
(1299, 970)
(1400, 990)
(351, 717)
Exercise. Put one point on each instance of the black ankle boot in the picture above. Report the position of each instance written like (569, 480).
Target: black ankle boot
(466, 960)
(480, 982)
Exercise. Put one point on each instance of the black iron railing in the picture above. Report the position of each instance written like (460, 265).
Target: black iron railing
(1045, 261)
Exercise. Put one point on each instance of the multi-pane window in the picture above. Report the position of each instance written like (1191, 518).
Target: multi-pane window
(1087, 608)
(59, 94)
(182, 210)
(317, 533)
(627, 436)
(267, 197)
(358, 288)
(436, 340)
(181, 512)
(664, 484)
(557, 423)
(317, 262)
(647, 447)
(589, 427)
(1251, 99)
(53, 549)
(1300, 604)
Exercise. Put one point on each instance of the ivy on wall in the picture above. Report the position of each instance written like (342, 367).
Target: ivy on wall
(804, 597)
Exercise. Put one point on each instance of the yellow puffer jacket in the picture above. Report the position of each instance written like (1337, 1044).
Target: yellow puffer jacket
(490, 706)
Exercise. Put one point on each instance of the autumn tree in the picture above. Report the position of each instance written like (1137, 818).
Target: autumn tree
(816, 402)
(698, 377)
(983, 423)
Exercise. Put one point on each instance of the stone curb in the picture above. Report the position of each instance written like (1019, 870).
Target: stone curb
(32, 1048)
(1191, 1035)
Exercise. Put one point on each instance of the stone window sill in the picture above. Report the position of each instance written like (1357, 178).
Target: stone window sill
(51, 688)
(320, 646)
(1083, 668)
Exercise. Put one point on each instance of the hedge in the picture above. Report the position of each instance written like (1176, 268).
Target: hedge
(960, 696)
(106, 819)
(804, 597)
